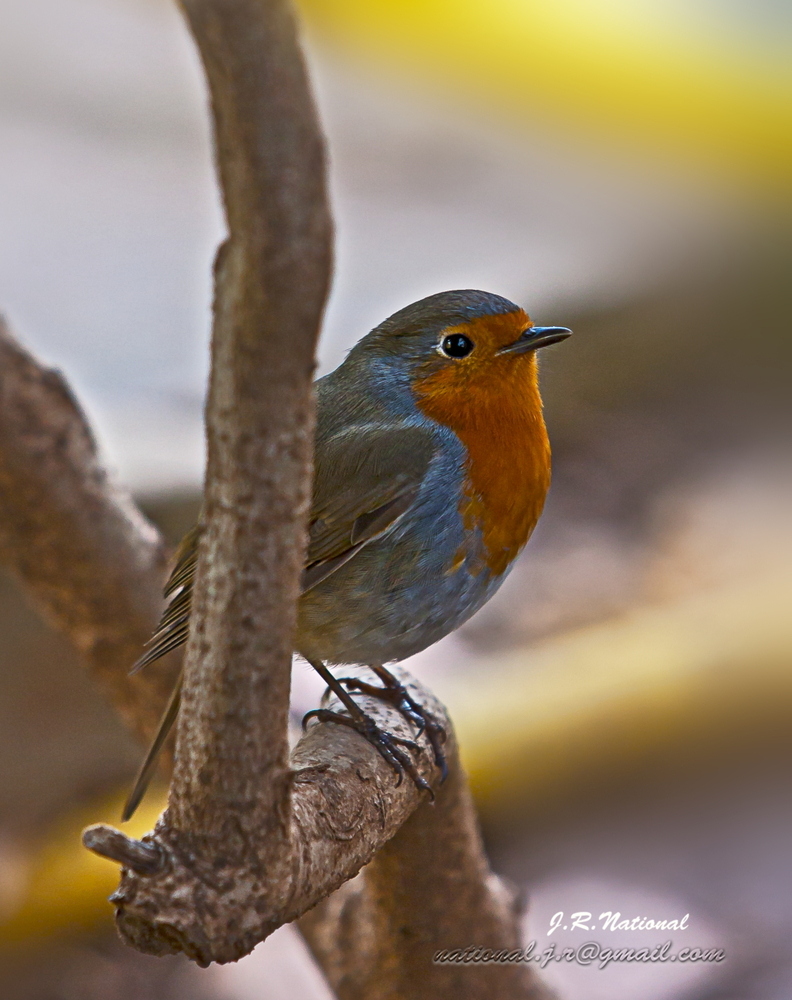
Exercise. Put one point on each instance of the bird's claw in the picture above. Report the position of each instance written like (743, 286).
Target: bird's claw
(395, 693)
(387, 744)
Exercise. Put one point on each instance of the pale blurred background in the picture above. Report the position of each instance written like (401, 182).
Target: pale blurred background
(624, 703)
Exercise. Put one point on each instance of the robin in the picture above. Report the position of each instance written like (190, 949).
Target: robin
(431, 468)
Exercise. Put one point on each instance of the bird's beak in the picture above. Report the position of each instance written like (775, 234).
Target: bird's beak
(535, 337)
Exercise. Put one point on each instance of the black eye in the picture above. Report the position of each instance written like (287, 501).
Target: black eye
(457, 345)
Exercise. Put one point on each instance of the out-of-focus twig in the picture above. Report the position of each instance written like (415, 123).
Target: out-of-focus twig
(89, 559)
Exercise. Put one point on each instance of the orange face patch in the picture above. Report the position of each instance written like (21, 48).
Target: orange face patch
(492, 404)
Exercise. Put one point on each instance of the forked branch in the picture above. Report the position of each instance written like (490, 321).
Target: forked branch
(253, 838)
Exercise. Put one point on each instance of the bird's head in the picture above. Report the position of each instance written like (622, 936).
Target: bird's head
(460, 349)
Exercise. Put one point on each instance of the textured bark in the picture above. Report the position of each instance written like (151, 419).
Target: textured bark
(251, 838)
(342, 802)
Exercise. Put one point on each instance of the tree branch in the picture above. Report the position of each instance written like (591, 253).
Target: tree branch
(89, 559)
(252, 839)
(343, 804)
(271, 281)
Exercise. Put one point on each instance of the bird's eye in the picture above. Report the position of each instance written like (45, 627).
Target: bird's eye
(456, 345)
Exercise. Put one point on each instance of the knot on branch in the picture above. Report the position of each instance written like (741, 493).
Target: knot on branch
(144, 857)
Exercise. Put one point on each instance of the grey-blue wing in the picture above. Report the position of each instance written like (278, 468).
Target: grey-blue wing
(365, 480)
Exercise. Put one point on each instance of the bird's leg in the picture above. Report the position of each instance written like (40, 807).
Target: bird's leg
(388, 745)
(396, 694)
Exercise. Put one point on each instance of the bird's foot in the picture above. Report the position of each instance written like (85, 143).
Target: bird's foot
(387, 744)
(393, 692)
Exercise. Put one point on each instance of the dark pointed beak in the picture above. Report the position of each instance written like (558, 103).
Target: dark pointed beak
(535, 337)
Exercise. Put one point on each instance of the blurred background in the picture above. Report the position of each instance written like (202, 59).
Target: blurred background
(624, 704)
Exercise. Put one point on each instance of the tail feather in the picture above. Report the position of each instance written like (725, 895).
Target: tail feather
(174, 625)
(163, 642)
(149, 765)
(171, 633)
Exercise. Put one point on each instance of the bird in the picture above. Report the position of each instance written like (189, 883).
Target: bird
(431, 469)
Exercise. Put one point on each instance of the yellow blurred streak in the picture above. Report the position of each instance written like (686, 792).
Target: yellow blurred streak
(64, 886)
(620, 72)
(584, 707)
(538, 728)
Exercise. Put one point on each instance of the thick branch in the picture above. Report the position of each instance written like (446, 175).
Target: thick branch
(231, 781)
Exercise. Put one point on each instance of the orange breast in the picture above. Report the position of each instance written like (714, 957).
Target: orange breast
(492, 404)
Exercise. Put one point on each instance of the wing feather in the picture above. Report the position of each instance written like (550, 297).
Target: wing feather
(366, 479)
